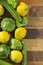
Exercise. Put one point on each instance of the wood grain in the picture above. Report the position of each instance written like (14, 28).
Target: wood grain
(34, 63)
(33, 2)
(34, 33)
(35, 22)
(35, 11)
(34, 44)
(36, 56)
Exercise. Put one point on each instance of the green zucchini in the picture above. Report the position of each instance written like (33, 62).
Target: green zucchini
(2, 62)
(11, 10)
(24, 62)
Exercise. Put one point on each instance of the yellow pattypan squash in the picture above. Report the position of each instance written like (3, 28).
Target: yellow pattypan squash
(16, 56)
(4, 37)
(20, 33)
(22, 9)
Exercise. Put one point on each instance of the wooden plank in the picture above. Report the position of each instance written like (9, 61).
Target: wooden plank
(35, 63)
(34, 33)
(35, 22)
(34, 44)
(35, 56)
(33, 2)
(36, 11)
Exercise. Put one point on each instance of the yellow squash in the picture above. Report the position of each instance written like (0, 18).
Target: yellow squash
(20, 33)
(16, 56)
(1, 10)
(22, 9)
(4, 37)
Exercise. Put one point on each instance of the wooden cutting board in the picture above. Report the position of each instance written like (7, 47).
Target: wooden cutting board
(34, 38)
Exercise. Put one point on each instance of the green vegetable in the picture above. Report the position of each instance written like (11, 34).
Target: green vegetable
(13, 3)
(15, 44)
(24, 62)
(24, 22)
(8, 24)
(4, 51)
(11, 10)
(2, 62)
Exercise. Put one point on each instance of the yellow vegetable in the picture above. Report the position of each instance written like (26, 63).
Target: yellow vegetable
(22, 9)
(4, 36)
(20, 33)
(16, 56)
(1, 10)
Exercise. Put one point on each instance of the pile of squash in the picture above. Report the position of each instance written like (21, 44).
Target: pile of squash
(13, 46)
